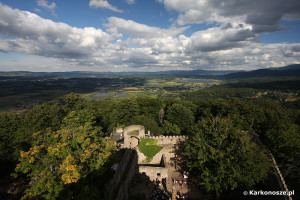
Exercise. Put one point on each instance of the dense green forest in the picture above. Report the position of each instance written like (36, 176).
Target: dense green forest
(63, 139)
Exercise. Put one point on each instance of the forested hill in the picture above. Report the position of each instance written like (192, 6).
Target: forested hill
(180, 73)
(291, 70)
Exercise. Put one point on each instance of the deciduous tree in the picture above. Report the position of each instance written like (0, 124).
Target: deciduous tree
(171, 129)
(222, 157)
(62, 157)
(181, 116)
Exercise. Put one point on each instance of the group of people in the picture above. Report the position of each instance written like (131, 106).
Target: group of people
(163, 180)
(158, 194)
(180, 182)
(180, 196)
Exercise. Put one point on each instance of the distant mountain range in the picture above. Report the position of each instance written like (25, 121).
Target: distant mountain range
(181, 73)
(290, 70)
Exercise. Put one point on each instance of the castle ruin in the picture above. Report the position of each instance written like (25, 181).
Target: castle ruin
(158, 168)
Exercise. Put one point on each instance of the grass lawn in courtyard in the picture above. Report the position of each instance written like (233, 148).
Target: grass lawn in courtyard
(149, 148)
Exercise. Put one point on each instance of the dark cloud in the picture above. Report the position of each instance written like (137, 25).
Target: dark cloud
(139, 59)
(215, 39)
(295, 47)
(264, 15)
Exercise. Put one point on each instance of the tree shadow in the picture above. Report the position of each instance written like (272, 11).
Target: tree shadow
(142, 188)
(99, 183)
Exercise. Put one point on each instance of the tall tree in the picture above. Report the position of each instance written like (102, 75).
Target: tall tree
(221, 157)
(147, 122)
(161, 116)
(73, 101)
(41, 117)
(124, 112)
(149, 106)
(171, 129)
(62, 157)
(181, 116)
(10, 139)
(283, 140)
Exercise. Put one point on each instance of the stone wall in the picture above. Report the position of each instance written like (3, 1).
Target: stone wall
(122, 193)
(140, 128)
(169, 140)
(122, 165)
(153, 172)
(127, 138)
(169, 146)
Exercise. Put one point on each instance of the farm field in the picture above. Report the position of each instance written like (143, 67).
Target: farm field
(21, 91)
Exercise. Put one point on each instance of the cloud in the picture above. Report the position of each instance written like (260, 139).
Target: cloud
(103, 4)
(46, 5)
(130, 1)
(250, 57)
(218, 38)
(231, 45)
(37, 10)
(158, 39)
(138, 58)
(32, 34)
(138, 30)
(264, 16)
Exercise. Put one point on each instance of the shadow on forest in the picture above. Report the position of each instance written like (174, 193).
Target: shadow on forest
(98, 184)
(95, 185)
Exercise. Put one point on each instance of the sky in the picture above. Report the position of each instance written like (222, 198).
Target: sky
(148, 35)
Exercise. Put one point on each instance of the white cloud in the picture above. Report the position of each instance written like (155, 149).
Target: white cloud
(130, 1)
(250, 57)
(37, 10)
(48, 6)
(218, 38)
(61, 47)
(138, 30)
(103, 4)
(158, 39)
(32, 34)
(159, 45)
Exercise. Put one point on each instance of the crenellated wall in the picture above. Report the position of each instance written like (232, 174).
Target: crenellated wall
(169, 144)
(169, 140)
(158, 167)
